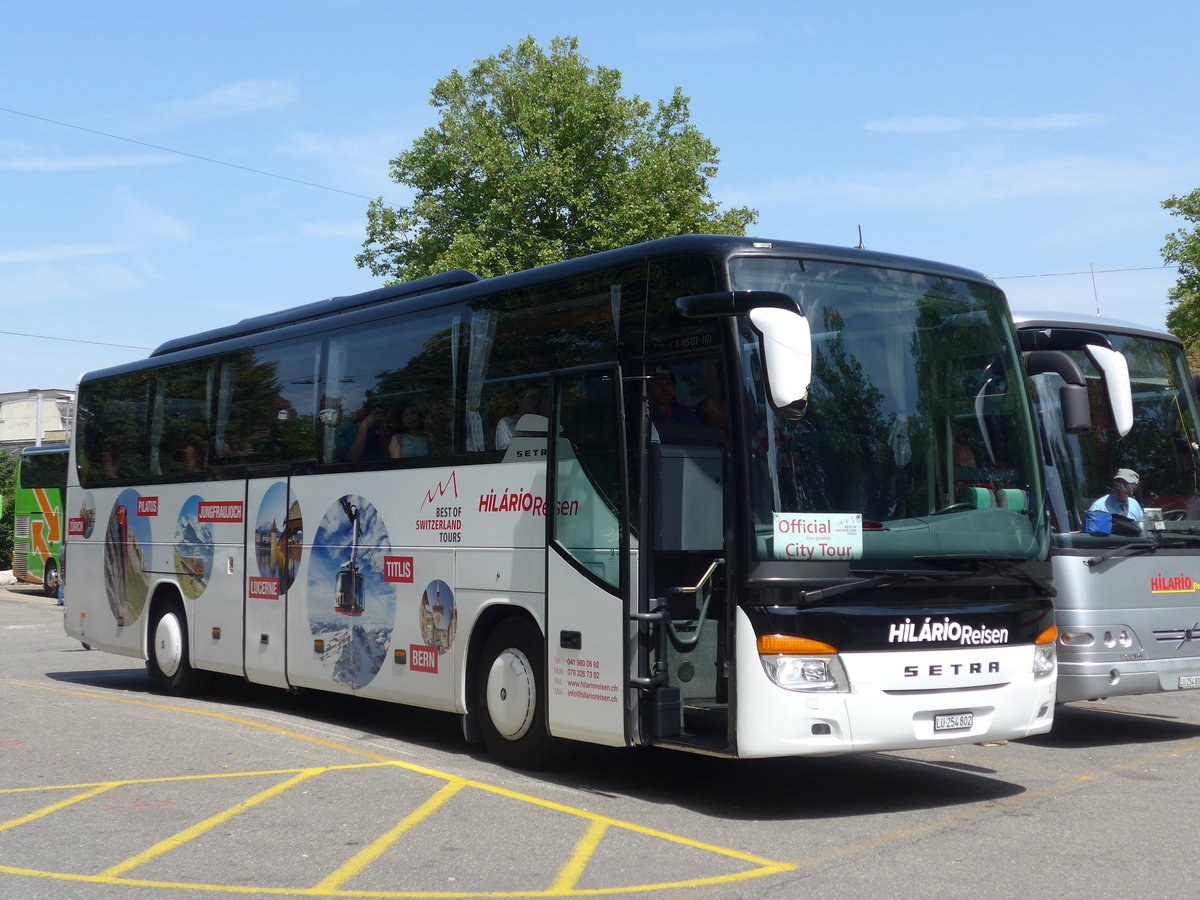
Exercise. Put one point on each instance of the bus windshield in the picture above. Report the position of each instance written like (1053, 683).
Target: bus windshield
(915, 439)
(44, 469)
(1161, 448)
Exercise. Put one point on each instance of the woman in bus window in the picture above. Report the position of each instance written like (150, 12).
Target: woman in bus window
(409, 437)
(528, 401)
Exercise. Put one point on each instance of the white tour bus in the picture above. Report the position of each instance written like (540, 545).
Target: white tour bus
(702, 493)
(1128, 607)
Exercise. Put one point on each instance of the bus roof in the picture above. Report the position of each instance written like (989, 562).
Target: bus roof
(1040, 319)
(45, 449)
(457, 284)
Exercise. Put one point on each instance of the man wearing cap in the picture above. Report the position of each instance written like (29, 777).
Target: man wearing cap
(1120, 501)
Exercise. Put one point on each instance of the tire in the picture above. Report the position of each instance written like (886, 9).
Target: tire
(50, 579)
(511, 697)
(169, 659)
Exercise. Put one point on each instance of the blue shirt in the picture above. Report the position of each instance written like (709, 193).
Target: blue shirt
(1110, 504)
(679, 413)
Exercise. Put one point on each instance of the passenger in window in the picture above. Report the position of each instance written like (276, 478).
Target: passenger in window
(964, 457)
(369, 441)
(111, 457)
(409, 437)
(528, 403)
(182, 446)
(195, 450)
(663, 405)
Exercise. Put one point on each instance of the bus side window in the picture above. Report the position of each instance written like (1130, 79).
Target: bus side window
(268, 403)
(114, 419)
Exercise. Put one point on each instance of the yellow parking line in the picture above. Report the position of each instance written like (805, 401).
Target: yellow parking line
(169, 778)
(212, 822)
(570, 874)
(375, 849)
(55, 807)
(378, 757)
(329, 887)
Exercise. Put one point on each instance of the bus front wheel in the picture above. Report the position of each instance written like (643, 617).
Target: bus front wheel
(511, 697)
(169, 662)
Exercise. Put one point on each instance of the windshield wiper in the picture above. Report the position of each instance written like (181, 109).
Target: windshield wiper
(1133, 549)
(847, 587)
(1006, 565)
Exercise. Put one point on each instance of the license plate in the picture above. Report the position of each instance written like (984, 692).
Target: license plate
(953, 721)
(1189, 681)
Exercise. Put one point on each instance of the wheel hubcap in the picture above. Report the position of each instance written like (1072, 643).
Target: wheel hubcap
(511, 694)
(168, 644)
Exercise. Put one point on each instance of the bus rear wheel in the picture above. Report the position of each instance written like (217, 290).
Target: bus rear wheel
(169, 661)
(511, 697)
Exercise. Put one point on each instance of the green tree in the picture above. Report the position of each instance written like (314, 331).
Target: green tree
(538, 158)
(8, 481)
(1182, 247)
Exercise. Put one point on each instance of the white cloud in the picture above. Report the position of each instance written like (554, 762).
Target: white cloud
(935, 124)
(229, 100)
(976, 184)
(146, 224)
(700, 39)
(353, 164)
(61, 253)
(27, 163)
(372, 153)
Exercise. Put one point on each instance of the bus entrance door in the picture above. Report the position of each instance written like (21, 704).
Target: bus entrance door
(590, 643)
(273, 538)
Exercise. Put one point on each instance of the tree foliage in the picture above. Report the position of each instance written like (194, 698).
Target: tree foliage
(538, 158)
(1182, 247)
(8, 481)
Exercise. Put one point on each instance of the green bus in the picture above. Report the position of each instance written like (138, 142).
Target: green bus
(38, 525)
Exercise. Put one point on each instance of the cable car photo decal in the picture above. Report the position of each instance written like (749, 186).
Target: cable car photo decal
(346, 564)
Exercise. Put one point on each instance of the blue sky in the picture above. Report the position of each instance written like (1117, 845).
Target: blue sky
(1025, 140)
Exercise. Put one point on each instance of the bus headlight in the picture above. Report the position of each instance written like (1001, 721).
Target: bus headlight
(1044, 656)
(801, 664)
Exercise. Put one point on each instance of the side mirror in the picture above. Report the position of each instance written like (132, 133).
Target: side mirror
(1072, 396)
(787, 354)
(1115, 370)
(785, 335)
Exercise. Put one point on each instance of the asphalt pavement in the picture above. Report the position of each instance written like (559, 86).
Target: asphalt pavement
(108, 789)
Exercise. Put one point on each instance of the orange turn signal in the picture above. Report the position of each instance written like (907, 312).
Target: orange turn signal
(791, 645)
(1049, 636)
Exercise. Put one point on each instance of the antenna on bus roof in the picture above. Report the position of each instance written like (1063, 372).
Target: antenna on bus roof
(860, 246)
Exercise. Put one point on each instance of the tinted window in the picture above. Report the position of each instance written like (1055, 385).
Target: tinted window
(518, 337)
(391, 389)
(268, 403)
(113, 420)
(180, 424)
